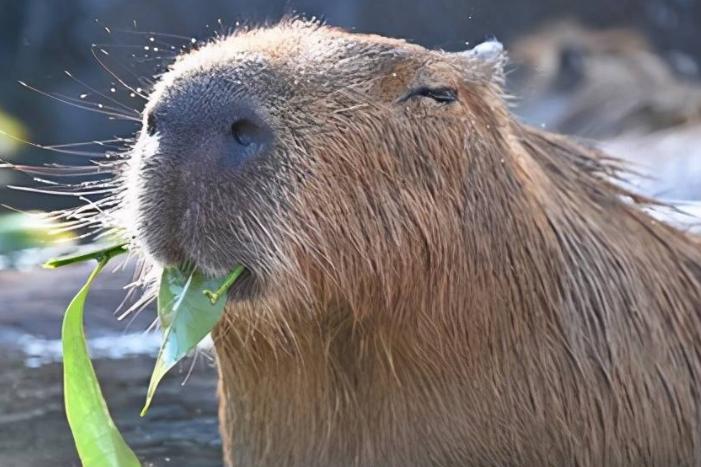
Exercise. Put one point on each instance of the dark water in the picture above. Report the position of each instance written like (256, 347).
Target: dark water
(181, 426)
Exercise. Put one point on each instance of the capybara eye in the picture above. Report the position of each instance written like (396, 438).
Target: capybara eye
(151, 124)
(442, 95)
(245, 132)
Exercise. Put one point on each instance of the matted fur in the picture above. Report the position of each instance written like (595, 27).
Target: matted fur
(436, 284)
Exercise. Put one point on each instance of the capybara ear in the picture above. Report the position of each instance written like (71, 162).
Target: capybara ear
(488, 51)
(486, 59)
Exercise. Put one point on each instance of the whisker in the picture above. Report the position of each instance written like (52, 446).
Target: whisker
(191, 40)
(53, 149)
(137, 307)
(79, 106)
(157, 53)
(87, 143)
(192, 367)
(58, 192)
(87, 103)
(142, 79)
(76, 171)
(92, 204)
(117, 46)
(103, 95)
(45, 181)
(73, 226)
(136, 91)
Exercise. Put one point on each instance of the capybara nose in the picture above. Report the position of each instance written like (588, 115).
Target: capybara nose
(218, 138)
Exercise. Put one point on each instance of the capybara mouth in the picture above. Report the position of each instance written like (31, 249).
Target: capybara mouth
(246, 287)
(194, 255)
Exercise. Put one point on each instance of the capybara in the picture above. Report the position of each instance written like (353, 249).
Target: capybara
(601, 83)
(430, 282)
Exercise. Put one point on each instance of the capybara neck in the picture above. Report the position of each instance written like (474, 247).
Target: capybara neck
(549, 322)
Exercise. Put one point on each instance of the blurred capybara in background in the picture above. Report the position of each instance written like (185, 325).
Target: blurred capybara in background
(601, 83)
(611, 85)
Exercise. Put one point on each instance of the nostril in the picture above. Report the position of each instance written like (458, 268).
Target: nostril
(246, 133)
(249, 137)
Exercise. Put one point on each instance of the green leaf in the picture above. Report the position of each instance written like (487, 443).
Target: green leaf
(187, 310)
(97, 439)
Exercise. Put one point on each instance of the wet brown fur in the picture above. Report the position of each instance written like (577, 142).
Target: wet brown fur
(443, 285)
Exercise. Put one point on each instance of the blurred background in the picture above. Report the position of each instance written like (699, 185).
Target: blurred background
(569, 47)
(624, 76)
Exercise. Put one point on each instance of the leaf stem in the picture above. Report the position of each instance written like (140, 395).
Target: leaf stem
(228, 282)
(101, 255)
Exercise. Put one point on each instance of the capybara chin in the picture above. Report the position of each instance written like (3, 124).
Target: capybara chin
(430, 282)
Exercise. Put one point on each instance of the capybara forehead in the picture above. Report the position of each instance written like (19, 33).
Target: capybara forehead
(297, 64)
(303, 45)
(295, 55)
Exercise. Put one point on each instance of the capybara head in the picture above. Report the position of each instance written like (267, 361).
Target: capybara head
(303, 150)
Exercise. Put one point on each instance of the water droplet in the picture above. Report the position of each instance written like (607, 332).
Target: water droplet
(193, 40)
(151, 39)
(113, 90)
(83, 96)
(146, 47)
